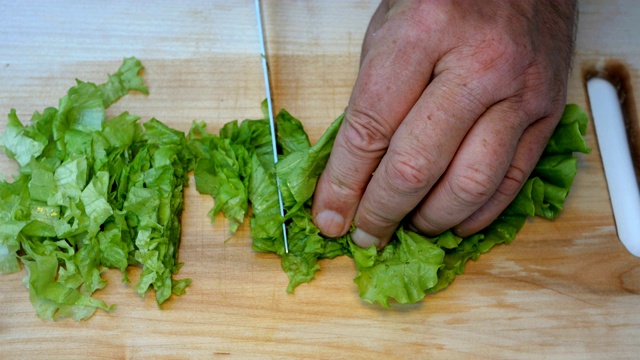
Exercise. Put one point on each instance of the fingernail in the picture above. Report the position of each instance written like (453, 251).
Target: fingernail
(330, 223)
(364, 239)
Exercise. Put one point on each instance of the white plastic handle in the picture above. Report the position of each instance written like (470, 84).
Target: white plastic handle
(616, 158)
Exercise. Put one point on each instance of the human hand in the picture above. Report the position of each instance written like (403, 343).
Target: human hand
(453, 106)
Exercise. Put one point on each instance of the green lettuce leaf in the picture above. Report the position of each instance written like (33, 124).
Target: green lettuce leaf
(223, 164)
(411, 265)
(9, 245)
(20, 143)
(237, 167)
(542, 195)
(93, 193)
(404, 270)
(123, 81)
(266, 222)
(299, 171)
(291, 135)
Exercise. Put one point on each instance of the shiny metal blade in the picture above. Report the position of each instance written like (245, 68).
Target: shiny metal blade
(272, 125)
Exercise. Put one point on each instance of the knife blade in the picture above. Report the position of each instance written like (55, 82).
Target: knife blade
(272, 125)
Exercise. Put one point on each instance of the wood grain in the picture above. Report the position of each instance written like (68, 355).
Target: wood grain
(563, 289)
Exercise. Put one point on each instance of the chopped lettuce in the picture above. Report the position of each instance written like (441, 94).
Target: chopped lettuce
(411, 265)
(92, 193)
(95, 193)
(404, 270)
(223, 165)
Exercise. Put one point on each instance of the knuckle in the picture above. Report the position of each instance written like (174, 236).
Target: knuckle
(473, 188)
(366, 131)
(512, 182)
(424, 224)
(343, 188)
(374, 218)
(498, 66)
(495, 75)
(409, 173)
(498, 52)
(521, 111)
(421, 17)
(538, 102)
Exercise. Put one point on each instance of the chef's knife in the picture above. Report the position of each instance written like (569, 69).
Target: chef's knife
(272, 125)
(617, 161)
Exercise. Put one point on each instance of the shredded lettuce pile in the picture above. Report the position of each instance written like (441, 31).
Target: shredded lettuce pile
(237, 169)
(92, 193)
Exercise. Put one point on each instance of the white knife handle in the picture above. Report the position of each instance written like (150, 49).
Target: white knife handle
(616, 158)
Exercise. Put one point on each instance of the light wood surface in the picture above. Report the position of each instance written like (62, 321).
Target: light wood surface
(563, 289)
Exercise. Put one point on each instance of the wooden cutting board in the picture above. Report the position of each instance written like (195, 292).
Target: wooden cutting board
(563, 289)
